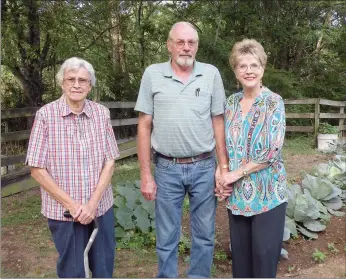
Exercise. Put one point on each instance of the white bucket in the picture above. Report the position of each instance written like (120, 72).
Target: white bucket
(326, 141)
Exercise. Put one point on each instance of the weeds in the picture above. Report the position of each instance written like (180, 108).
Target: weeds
(220, 256)
(319, 256)
(332, 248)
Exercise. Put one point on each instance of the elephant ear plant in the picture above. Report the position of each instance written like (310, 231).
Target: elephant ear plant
(321, 195)
(133, 213)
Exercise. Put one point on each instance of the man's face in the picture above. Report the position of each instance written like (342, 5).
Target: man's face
(183, 46)
(76, 85)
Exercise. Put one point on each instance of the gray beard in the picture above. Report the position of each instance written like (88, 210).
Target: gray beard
(185, 62)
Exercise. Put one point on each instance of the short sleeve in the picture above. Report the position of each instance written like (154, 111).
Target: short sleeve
(38, 143)
(218, 96)
(112, 151)
(145, 101)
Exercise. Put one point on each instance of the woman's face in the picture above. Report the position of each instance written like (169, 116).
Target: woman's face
(249, 71)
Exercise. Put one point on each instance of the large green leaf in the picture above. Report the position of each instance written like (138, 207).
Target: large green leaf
(322, 208)
(318, 187)
(127, 192)
(292, 192)
(142, 219)
(307, 233)
(124, 218)
(336, 192)
(321, 169)
(290, 224)
(314, 226)
(119, 201)
(340, 162)
(336, 213)
(149, 206)
(334, 171)
(306, 208)
(119, 232)
(334, 204)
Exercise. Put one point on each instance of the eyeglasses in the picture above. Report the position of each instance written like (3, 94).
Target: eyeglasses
(253, 67)
(81, 81)
(181, 44)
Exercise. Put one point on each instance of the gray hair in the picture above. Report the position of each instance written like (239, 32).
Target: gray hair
(185, 23)
(74, 64)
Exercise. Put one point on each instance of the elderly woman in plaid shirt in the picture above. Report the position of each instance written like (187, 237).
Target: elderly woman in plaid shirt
(71, 153)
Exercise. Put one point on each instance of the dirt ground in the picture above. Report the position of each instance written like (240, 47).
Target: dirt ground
(28, 251)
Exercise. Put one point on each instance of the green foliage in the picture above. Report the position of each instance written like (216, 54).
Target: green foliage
(332, 248)
(303, 40)
(221, 256)
(184, 244)
(186, 205)
(299, 145)
(326, 128)
(310, 206)
(133, 213)
(319, 256)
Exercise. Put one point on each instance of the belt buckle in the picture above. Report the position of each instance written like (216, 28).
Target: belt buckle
(174, 160)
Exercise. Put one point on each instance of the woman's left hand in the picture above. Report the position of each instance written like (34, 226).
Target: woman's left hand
(228, 178)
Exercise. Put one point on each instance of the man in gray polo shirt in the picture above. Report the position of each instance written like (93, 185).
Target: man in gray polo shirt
(181, 106)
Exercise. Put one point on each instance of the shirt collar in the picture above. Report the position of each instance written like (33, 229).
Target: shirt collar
(66, 110)
(257, 99)
(168, 71)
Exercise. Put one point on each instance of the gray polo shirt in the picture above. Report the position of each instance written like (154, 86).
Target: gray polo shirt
(182, 125)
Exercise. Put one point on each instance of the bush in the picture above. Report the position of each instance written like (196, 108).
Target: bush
(326, 128)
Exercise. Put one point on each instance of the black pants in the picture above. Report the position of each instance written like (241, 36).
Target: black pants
(256, 243)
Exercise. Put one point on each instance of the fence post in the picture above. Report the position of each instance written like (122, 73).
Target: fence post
(96, 95)
(317, 119)
(341, 122)
(4, 170)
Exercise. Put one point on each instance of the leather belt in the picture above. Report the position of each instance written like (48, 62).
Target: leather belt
(187, 160)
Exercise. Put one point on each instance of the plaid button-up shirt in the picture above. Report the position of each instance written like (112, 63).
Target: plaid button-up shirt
(73, 149)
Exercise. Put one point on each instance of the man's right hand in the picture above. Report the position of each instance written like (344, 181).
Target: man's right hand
(148, 188)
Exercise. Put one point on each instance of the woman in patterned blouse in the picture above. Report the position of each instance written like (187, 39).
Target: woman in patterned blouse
(255, 186)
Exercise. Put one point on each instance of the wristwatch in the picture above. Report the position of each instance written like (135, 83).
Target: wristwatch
(245, 172)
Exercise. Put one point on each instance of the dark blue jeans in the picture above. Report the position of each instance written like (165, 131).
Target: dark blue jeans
(70, 240)
(173, 182)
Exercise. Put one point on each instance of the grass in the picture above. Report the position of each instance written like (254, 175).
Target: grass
(299, 145)
(126, 170)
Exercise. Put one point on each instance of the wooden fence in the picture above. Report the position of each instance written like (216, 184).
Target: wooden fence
(317, 115)
(19, 180)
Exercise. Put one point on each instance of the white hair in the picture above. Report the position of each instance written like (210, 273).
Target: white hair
(74, 64)
(184, 23)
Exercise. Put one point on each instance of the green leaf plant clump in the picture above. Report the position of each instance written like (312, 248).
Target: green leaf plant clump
(326, 128)
(134, 215)
(320, 196)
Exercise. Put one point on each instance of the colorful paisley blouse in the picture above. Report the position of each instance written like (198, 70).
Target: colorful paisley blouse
(258, 138)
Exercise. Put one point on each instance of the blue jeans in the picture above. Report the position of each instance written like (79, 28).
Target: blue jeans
(71, 238)
(173, 182)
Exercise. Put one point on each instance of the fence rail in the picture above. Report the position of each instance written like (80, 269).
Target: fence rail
(18, 179)
(317, 115)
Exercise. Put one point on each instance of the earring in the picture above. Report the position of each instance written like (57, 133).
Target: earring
(261, 85)
(237, 84)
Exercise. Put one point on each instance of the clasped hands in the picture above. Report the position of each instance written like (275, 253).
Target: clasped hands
(224, 180)
(83, 213)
